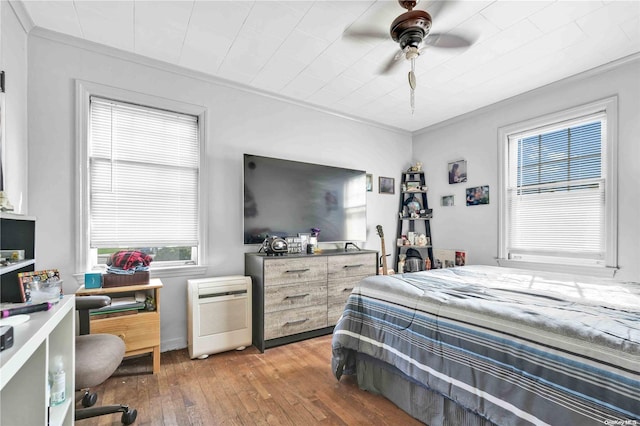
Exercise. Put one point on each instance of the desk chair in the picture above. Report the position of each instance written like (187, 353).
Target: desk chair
(97, 358)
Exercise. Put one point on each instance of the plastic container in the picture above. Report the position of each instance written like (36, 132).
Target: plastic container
(45, 291)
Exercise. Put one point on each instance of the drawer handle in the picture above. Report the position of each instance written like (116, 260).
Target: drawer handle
(296, 296)
(347, 289)
(359, 265)
(296, 322)
(293, 271)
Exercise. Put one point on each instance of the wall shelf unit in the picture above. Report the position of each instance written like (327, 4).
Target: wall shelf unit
(18, 233)
(414, 217)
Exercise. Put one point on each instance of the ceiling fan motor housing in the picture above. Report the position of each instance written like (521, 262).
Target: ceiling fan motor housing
(410, 28)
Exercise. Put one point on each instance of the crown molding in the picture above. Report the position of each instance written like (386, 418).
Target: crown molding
(197, 75)
(505, 102)
(23, 16)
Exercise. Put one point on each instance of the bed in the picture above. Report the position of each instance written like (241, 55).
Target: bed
(482, 345)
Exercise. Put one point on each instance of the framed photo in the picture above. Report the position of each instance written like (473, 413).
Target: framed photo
(448, 201)
(386, 185)
(369, 182)
(304, 240)
(458, 171)
(413, 186)
(26, 280)
(478, 195)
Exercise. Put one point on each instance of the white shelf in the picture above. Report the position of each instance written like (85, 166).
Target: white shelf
(14, 216)
(15, 266)
(24, 368)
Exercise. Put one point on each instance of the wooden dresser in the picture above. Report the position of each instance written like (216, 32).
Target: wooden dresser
(298, 296)
(140, 331)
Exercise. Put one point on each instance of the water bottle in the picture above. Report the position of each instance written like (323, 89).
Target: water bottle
(58, 384)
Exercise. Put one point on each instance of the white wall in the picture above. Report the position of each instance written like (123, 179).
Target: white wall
(13, 60)
(238, 122)
(474, 137)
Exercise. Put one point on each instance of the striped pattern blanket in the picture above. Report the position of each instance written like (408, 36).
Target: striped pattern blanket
(515, 347)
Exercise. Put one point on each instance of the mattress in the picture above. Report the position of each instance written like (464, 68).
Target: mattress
(514, 347)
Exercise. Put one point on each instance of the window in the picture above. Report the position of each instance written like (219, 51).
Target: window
(558, 189)
(142, 181)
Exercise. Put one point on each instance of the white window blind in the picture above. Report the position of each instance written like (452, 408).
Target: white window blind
(144, 176)
(555, 193)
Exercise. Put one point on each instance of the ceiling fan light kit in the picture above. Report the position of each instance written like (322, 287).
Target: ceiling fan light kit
(410, 30)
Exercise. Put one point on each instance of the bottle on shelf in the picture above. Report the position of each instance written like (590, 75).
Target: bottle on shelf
(58, 382)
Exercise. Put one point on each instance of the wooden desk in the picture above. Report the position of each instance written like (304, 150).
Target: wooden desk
(140, 331)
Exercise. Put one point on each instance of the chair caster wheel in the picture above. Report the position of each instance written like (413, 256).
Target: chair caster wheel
(129, 416)
(89, 399)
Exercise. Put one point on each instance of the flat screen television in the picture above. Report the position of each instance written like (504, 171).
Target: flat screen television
(285, 198)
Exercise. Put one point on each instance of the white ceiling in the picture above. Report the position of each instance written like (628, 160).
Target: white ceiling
(295, 49)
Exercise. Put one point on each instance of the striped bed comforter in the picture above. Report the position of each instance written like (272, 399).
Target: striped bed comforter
(516, 347)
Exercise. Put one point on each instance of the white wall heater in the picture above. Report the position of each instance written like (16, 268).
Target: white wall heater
(219, 314)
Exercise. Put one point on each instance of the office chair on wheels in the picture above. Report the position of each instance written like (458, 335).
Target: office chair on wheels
(97, 358)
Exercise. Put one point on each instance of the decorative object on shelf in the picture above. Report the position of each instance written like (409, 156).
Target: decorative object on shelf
(415, 168)
(449, 258)
(448, 201)
(274, 246)
(421, 240)
(304, 241)
(458, 171)
(401, 260)
(413, 206)
(386, 185)
(5, 204)
(477, 195)
(312, 246)
(369, 182)
(413, 187)
(294, 245)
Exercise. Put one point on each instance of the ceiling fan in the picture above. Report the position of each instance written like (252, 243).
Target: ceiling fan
(411, 30)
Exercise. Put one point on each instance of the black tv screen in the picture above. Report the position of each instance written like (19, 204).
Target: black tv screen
(285, 198)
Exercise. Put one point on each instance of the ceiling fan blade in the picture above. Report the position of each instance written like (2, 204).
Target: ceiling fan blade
(447, 41)
(392, 62)
(365, 34)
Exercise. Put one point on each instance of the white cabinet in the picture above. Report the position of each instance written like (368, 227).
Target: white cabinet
(24, 368)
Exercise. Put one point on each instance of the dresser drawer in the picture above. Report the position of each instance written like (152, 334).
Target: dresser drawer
(280, 297)
(139, 331)
(294, 270)
(337, 294)
(292, 321)
(351, 265)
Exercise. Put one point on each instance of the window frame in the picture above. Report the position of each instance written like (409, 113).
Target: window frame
(609, 106)
(84, 92)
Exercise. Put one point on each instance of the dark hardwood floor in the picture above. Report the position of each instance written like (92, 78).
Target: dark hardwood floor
(287, 385)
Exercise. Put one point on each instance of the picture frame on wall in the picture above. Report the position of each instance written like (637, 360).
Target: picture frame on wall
(369, 182)
(448, 201)
(477, 195)
(386, 185)
(457, 171)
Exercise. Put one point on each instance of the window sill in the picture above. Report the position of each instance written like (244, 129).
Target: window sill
(186, 271)
(592, 271)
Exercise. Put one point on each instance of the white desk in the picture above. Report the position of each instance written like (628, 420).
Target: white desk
(24, 368)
